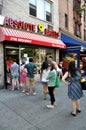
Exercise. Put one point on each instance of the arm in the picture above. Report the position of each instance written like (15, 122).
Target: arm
(35, 69)
(41, 75)
(64, 78)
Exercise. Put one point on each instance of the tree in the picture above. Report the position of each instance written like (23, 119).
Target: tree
(83, 7)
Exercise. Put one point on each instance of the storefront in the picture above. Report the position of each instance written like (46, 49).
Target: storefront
(73, 50)
(20, 41)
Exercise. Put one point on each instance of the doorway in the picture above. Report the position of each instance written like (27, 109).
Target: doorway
(10, 54)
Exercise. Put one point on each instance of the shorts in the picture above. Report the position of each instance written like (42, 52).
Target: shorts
(15, 76)
(30, 81)
(44, 82)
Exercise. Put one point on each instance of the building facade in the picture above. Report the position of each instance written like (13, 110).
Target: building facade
(28, 29)
(72, 27)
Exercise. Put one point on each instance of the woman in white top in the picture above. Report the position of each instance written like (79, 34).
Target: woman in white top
(44, 73)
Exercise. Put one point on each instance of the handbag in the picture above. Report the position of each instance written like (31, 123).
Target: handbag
(57, 83)
(83, 83)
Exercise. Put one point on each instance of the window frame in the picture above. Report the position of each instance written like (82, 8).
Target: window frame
(47, 14)
(66, 20)
(34, 8)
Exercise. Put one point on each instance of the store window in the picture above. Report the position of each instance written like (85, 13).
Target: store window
(38, 53)
(69, 57)
(41, 9)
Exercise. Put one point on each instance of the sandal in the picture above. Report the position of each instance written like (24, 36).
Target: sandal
(73, 114)
(78, 111)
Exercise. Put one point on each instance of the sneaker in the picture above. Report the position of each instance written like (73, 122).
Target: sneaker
(34, 94)
(55, 104)
(28, 94)
(23, 91)
(50, 106)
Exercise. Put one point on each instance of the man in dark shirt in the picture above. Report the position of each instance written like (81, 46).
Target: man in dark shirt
(31, 69)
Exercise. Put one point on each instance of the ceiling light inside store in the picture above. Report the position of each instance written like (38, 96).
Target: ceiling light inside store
(22, 48)
(82, 49)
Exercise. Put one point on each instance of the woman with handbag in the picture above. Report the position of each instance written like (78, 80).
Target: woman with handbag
(74, 87)
(51, 78)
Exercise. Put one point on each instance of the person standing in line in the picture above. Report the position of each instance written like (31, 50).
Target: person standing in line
(23, 75)
(30, 80)
(51, 78)
(50, 61)
(15, 74)
(43, 75)
(9, 62)
(74, 87)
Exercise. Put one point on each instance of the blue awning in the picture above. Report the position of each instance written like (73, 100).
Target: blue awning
(69, 41)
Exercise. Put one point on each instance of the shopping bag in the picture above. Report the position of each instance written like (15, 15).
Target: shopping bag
(83, 83)
(57, 84)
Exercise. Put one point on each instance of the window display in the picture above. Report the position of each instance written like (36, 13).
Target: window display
(69, 57)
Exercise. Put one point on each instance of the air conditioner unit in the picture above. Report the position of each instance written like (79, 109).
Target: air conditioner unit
(78, 33)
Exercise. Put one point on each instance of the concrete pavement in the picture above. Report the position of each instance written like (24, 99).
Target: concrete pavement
(21, 112)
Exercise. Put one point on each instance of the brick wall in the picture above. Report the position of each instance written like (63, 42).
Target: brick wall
(66, 6)
(68, 9)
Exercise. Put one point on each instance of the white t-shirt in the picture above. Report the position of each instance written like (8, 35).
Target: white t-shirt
(45, 74)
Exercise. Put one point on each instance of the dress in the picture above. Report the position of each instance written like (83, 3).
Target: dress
(74, 89)
(23, 74)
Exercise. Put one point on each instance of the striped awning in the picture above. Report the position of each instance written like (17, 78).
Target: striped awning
(8, 34)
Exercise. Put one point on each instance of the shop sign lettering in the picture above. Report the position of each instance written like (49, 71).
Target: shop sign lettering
(30, 27)
(19, 24)
(20, 39)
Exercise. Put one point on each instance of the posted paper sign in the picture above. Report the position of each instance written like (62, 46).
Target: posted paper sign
(1, 20)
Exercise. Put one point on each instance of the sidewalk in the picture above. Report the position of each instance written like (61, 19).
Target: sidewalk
(21, 112)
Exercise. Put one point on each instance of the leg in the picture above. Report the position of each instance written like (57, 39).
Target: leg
(33, 88)
(52, 98)
(78, 105)
(45, 89)
(17, 82)
(28, 86)
(23, 87)
(74, 106)
(54, 90)
(13, 82)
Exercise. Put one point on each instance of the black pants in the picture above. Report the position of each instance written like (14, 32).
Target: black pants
(51, 93)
